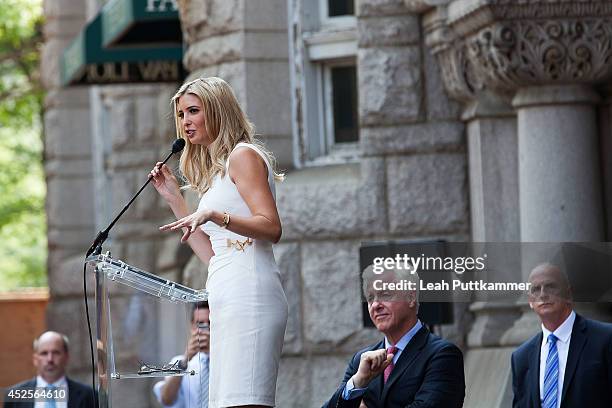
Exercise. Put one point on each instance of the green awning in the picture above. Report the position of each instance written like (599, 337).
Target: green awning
(87, 61)
(137, 22)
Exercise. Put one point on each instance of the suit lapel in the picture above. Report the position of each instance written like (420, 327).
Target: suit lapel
(577, 342)
(31, 384)
(73, 394)
(534, 372)
(412, 350)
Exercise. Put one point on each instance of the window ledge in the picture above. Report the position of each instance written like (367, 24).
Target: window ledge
(339, 22)
(331, 44)
(338, 155)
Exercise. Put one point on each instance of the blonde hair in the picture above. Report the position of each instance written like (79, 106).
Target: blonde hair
(225, 122)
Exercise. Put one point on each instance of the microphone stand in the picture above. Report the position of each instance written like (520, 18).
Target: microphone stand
(96, 247)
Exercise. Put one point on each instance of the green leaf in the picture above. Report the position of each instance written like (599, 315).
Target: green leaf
(22, 188)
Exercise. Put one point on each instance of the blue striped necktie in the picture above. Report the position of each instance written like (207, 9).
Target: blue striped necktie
(50, 402)
(551, 374)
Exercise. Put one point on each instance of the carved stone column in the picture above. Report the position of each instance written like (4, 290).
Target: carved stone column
(546, 57)
(549, 54)
(559, 172)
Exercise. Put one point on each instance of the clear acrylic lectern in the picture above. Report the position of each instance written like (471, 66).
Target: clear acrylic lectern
(133, 309)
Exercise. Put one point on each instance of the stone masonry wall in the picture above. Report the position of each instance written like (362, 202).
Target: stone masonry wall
(411, 183)
(245, 43)
(69, 203)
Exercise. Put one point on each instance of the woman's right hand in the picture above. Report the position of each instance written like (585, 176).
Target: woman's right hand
(165, 183)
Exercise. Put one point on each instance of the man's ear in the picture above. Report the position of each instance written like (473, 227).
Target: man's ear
(531, 305)
(412, 299)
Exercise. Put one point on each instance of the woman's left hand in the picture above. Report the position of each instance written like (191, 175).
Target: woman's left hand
(190, 222)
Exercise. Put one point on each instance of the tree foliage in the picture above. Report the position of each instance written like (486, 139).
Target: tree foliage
(22, 220)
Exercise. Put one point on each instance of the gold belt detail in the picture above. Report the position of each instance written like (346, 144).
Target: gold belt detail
(239, 245)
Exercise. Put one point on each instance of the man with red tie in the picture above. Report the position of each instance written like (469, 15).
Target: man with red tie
(410, 367)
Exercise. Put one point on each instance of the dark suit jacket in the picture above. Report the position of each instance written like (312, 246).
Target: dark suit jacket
(428, 373)
(79, 395)
(588, 372)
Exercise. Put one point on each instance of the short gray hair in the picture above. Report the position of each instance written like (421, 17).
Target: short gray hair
(368, 277)
(65, 341)
(563, 280)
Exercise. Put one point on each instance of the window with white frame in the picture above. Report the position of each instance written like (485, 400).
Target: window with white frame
(324, 59)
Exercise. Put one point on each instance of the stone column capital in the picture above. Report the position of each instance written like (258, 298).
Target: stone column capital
(451, 54)
(506, 45)
(555, 95)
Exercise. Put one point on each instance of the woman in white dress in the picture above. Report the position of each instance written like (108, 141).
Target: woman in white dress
(232, 231)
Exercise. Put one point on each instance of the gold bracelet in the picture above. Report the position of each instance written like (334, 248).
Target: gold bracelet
(226, 220)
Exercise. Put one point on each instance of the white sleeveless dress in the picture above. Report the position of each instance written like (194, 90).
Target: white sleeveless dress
(248, 307)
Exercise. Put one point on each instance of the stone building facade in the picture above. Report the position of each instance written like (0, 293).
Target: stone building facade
(478, 121)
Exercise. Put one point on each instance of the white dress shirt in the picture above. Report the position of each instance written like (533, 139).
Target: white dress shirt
(188, 395)
(40, 382)
(564, 335)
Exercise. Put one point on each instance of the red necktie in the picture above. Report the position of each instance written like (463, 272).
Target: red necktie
(387, 373)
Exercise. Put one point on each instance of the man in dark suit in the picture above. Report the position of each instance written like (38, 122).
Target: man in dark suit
(410, 367)
(50, 359)
(569, 363)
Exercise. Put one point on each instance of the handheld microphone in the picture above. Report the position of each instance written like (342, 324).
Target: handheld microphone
(177, 146)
